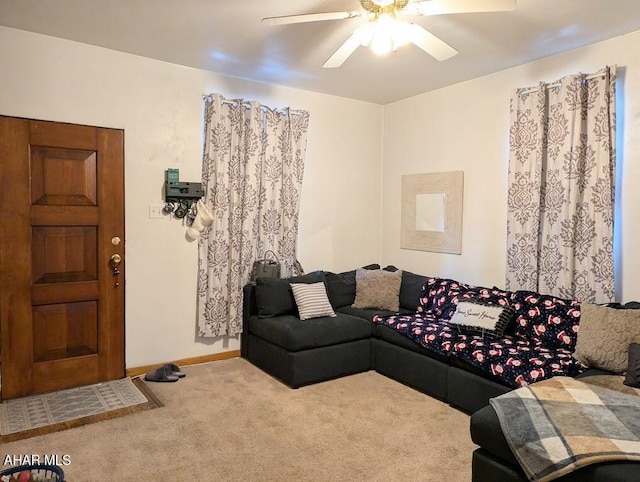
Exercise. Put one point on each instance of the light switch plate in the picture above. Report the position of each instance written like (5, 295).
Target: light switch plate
(155, 211)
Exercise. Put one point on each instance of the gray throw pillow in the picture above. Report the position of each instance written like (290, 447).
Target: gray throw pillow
(378, 289)
(604, 336)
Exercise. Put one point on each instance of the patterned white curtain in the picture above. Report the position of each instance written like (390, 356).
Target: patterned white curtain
(561, 188)
(252, 171)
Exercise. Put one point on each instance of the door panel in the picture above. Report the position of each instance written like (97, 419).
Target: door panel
(64, 254)
(63, 177)
(65, 330)
(61, 307)
(52, 293)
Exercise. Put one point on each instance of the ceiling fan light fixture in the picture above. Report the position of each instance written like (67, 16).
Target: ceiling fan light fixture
(382, 44)
(386, 34)
(383, 3)
(400, 36)
(385, 23)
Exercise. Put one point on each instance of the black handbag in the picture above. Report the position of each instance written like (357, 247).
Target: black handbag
(266, 268)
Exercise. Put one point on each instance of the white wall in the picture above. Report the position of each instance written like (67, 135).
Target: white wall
(159, 106)
(465, 127)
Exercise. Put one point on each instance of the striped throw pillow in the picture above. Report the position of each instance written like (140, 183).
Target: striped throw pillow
(312, 300)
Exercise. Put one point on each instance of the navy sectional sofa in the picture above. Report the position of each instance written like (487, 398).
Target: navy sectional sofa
(357, 340)
(275, 340)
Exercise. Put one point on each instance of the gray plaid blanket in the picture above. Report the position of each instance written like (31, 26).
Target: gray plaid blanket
(559, 425)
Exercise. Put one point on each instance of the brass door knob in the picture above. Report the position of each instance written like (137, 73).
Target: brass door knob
(116, 259)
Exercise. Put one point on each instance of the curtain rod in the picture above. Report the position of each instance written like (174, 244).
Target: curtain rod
(558, 83)
(264, 108)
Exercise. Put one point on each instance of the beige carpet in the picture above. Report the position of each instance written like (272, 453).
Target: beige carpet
(229, 421)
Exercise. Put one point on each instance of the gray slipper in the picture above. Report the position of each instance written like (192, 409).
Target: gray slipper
(160, 375)
(175, 370)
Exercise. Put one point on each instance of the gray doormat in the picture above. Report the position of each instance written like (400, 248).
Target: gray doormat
(86, 404)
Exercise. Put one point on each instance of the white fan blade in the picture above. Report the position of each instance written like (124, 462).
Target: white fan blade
(309, 17)
(429, 42)
(443, 7)
(343, 53)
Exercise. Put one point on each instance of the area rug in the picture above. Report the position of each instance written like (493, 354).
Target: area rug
(51, 412)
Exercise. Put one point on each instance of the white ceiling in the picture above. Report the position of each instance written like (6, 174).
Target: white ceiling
(227, 37)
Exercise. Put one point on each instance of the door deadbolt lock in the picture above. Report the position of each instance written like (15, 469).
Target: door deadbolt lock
(115, 261)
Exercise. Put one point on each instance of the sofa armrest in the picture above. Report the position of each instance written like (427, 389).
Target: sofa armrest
(487, 433)
(249, 308)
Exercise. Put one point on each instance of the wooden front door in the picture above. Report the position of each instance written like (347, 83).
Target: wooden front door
(61, 221)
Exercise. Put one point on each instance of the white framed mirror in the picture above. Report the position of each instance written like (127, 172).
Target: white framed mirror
(430, 211)
(431, 217)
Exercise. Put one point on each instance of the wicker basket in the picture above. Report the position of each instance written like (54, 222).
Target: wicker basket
(38, 472)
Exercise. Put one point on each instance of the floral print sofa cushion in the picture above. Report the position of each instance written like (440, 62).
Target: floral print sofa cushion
(424, 329)
(514, 361)
(546, 320)
(538, 346)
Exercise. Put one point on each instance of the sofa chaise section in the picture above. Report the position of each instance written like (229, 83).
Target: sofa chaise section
(616, 335)
(494, 460)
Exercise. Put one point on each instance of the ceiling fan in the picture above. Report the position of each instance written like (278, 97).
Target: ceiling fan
(384, 31)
